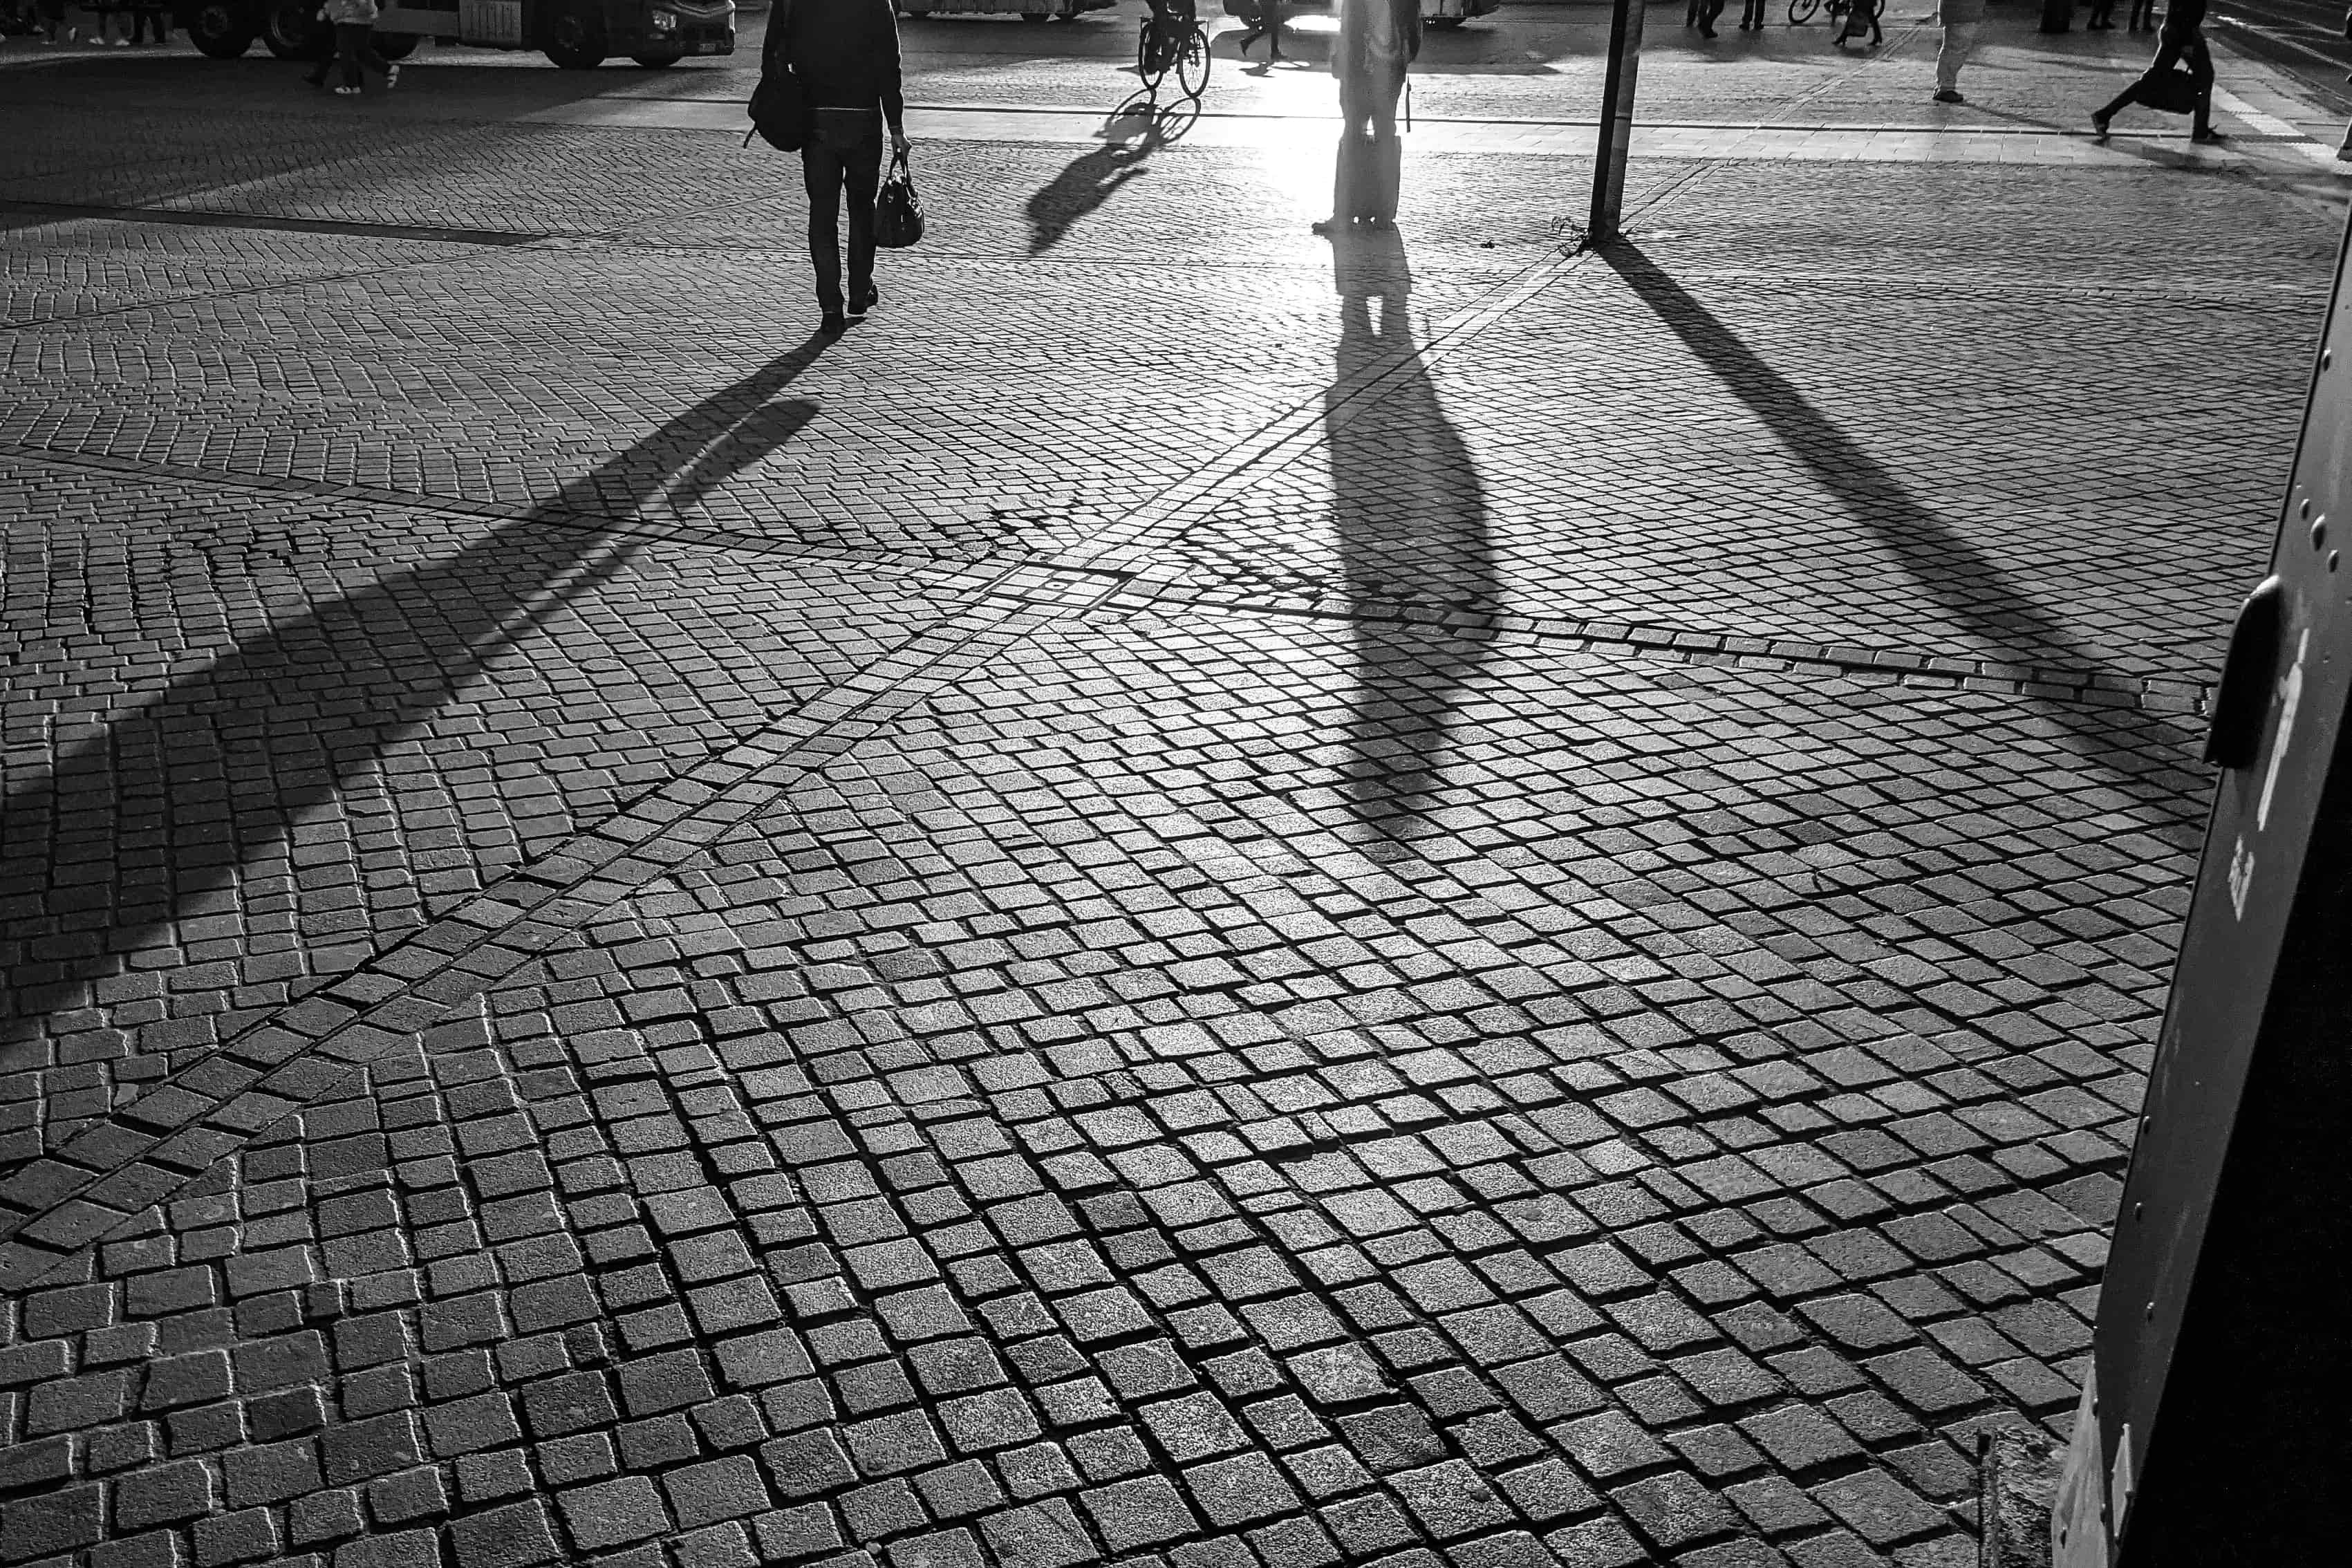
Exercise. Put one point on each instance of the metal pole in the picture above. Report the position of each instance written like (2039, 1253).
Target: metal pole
(1616, 119)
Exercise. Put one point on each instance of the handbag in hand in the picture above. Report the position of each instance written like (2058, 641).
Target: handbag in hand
(779, 106)
(898, 210)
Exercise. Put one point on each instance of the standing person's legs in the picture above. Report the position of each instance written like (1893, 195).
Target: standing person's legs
(861, 170)
(1960, 37)
(1708, 12)
(821, 173)
(1273, 19)
(351, 37)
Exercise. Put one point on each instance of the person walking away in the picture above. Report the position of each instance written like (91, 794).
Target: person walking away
(1377, 41)
(354, 22)
(846, 53)
(2182, 42)
(1266, 25)
(1962, 18)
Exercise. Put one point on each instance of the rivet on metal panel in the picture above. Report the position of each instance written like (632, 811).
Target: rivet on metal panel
(2304, 510)
(2319, 535)
(2327, 358)
(2333, 557)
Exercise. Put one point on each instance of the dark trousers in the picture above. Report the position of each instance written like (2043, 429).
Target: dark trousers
(2143, 14)
(1752, 13)
(355, 48)
(837, 164)
(1268, 25)
(146, 16)
(2188, 50)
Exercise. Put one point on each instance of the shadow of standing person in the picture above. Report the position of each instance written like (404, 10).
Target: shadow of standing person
(1410, 519)
(151, 824)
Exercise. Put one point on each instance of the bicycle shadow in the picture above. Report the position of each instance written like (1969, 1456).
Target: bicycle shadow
(1132, 133)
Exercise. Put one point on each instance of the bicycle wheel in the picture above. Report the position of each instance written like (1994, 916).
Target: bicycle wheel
(1193, 63)
(1801, 11)
(1147, 65)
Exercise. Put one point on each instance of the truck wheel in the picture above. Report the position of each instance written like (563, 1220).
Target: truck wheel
(393, 45)
(292, 31)
(576, 42)
(658, 62)
(221, 29)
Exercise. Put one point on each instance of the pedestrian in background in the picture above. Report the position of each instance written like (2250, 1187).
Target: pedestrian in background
(146, 16)
(1377, 42)
(1861, 16)
(1708, 10)
(2181, 43)
(2143, 15)
(1751, 15)
(1267, 24)
(354, 22)
(1962, 18)
(2103, 17)
(846, 53)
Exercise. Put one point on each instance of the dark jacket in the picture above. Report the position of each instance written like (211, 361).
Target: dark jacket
(846, 53)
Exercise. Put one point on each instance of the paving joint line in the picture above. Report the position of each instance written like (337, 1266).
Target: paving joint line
(2151, 693)
(946, 568)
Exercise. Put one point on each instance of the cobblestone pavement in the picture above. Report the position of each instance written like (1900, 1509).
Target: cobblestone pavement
(1202, 899)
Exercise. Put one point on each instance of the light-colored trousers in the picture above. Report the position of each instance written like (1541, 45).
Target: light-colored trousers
(1959, 38)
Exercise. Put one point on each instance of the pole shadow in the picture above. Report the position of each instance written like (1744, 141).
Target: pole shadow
(1409, 516)
(149, 826)
(1966, 585)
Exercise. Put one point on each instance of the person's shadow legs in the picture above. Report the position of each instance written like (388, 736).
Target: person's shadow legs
(1410, 519)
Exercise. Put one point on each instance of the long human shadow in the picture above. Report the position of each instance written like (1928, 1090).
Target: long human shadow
(1968, 585)
(148, 825)
(1409, 516)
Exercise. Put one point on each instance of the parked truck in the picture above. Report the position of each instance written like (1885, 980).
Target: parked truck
(578, 35)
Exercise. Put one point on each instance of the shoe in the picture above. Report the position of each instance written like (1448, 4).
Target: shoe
(391, 77)
(2098, 128)
(347, 93)
(865, 302)
(1950, 95)
(2207, 137)
(834, 324)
